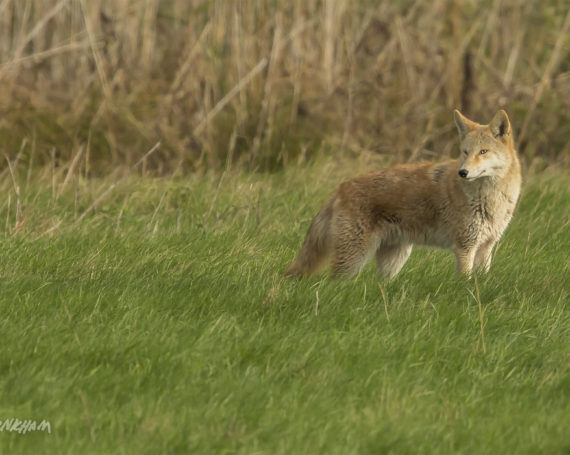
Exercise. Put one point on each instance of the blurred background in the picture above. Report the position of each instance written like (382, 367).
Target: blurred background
(265, 84)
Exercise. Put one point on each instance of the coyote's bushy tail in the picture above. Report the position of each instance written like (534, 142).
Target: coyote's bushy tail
(316, 247)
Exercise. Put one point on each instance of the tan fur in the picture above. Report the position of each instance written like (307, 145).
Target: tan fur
(384, 213)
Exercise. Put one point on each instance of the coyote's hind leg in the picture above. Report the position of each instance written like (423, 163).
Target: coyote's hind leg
(391, 258)
(353, 246)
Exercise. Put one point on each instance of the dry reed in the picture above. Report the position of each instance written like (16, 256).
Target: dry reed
(261, 84)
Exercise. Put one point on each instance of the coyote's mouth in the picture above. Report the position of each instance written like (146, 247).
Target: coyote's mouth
(475, 177)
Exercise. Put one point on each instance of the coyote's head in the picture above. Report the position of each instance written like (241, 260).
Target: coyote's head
(486, 150)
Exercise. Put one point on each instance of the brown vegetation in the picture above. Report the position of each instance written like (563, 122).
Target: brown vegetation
(261, 84)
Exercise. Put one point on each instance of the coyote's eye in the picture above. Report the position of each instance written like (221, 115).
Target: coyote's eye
(483, 151)
(465, 152)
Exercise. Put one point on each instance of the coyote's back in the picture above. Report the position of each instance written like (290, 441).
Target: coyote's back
(462, 204)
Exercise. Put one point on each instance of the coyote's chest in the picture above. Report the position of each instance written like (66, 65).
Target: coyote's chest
(491, 211)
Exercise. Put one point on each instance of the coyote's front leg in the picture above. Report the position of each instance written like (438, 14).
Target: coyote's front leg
(464, 258)
(483, 256)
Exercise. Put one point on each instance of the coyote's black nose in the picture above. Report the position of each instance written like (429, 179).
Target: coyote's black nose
(463, 173)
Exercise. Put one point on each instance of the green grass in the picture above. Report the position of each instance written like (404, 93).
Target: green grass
(160, 323)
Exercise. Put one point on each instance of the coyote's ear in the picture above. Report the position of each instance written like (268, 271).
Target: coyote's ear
(464, 125)
(500, 126)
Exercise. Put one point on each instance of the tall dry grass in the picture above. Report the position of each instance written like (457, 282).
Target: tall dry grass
(261, 84)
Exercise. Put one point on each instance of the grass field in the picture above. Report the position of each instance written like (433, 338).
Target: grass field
(159, 323)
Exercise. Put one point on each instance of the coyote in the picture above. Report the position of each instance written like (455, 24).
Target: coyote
(463, 205)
